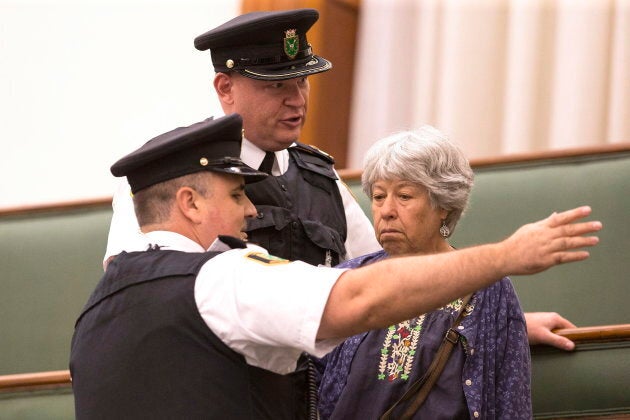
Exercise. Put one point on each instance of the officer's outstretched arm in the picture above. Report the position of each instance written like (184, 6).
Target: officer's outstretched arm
(400, 288)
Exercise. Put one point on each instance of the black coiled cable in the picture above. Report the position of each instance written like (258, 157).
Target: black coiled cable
(311, 391)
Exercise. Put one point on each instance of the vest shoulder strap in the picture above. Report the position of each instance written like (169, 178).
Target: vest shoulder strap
(313, 151)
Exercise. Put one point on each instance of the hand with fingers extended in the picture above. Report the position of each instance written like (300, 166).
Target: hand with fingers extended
(555, 240)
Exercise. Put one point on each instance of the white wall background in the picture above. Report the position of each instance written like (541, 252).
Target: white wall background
(83, 82)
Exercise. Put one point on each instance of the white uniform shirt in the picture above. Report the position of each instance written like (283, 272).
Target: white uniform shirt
(267, 311)
(125, 235)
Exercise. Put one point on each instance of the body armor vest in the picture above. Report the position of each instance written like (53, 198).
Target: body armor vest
(141, 350)
(300, 213)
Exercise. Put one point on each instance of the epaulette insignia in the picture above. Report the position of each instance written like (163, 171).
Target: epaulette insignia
(265, 258)
(315, 151)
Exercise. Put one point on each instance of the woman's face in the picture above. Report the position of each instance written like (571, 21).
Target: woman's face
(404, 221)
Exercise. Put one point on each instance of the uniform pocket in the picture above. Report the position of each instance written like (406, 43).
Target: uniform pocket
(269, 216)
(324, 237)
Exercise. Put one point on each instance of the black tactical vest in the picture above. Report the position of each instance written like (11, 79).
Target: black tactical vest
(300, 213)
(141, 350)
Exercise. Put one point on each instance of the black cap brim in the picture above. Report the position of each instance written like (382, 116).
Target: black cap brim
(315, 65)
(249, 174)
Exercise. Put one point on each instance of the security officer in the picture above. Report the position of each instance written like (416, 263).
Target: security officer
(262, 62)
(202, 325)
(141, 348)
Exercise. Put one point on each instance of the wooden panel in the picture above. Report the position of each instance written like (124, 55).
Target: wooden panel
(332, 37)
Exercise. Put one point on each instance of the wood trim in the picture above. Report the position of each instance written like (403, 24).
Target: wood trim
(353, 4)
(61, 378)
(58, 206)
(349, 174)
(35, 381)
(600, 150)
(550, 155)
(602, 333)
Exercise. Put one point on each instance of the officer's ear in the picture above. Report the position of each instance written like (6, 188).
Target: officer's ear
(224, 84)
(188, 204)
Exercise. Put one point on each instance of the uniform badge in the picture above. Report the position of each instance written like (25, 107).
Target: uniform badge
(265, 258)
(291, 43)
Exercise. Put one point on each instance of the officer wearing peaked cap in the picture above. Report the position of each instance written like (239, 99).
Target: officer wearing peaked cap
(262, 62)
(179, 338)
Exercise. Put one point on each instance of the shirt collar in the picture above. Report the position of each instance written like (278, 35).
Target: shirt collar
(172, 241)
(253, 156)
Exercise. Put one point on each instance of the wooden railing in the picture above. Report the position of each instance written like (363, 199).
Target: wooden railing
(604, 333)
(347, 175)
(58, 206)
(35, 381)
(355, 174)
(61, 378)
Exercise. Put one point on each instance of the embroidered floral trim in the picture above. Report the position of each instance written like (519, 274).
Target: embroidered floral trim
(399, 349)
(400, 344)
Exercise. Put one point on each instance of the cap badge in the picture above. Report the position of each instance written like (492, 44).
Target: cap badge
(203, 161)
(291, 43)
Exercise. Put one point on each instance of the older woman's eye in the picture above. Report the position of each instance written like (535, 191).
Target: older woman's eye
(377, 197)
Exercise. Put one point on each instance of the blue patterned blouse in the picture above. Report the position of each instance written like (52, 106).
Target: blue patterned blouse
(487, 376)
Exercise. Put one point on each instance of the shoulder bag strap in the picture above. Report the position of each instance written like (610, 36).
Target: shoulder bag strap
(422, 386)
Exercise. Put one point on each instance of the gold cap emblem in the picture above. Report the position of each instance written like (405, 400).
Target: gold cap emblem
(229, 63)
(203, 161)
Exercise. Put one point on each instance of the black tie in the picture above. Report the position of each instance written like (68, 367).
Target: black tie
(267, 163)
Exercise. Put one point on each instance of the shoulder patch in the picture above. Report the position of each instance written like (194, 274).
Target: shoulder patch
(265, 259)
(314, 151)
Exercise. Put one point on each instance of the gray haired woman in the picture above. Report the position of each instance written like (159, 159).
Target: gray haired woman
(419, 183)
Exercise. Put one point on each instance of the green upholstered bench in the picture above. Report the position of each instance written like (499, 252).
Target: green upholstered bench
(594, 380)
(51, 259)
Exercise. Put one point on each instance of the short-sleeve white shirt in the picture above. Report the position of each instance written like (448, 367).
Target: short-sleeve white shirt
(266, 309)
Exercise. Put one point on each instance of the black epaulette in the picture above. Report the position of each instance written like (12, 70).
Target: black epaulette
(232, 242)
(315, 151)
